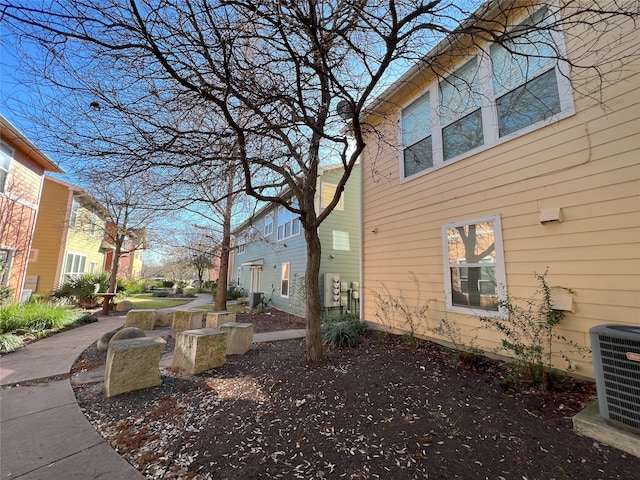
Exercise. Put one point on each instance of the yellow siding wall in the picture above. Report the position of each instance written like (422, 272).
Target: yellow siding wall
(587, 164)
(53, 238)
(80, 241)
(49, 237)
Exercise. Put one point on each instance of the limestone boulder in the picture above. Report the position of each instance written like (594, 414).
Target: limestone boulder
(133, 364)
(124, 306)
(103, 341)
(163, 318)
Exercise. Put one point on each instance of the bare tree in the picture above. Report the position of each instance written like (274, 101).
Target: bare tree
(289, 80)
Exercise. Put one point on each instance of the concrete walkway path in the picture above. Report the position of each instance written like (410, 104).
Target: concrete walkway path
(43, 432)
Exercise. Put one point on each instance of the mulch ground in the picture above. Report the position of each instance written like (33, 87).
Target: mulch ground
(383, 410)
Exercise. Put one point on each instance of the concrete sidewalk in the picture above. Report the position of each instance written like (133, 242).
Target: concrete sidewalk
(43, 432)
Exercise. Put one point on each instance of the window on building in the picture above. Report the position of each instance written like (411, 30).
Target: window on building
(460, 113)
(268, 225)
(74, 265)
(288, 223)
(524, 77)
(6, 256)
(284, 282)
(327, 192)
(523, 85)
(92, 267)
(6, 154)
(73, 218)
(416, 136)
(241, 248)
(474, 266)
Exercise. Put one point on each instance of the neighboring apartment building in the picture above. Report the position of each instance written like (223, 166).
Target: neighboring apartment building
(22, 169)
(68, 239)
(270, 253)
(496, 169)
(131, 259)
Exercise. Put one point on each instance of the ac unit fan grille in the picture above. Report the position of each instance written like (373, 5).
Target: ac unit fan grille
(622, 380)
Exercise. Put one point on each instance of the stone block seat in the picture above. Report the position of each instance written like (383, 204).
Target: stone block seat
(186, 320)
(239, 337)
(215, 319)
(140, 318)
(199, 350)
(133, 364)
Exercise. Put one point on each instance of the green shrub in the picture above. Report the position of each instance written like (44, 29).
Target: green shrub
(168, 283)
(343, 332)
(87, 318)
(81, 290)
(10, 342)
(529, 332)
(160, 293)
(5, 294)
(36, 319)
(234, 294)
(131, 286)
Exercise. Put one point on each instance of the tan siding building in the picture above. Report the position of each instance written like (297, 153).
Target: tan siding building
(68, 238)
(560, 194)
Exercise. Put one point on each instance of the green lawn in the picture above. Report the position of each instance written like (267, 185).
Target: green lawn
(147, 301)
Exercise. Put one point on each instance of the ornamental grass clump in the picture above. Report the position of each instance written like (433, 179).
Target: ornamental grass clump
(32, 321)
(344, 332)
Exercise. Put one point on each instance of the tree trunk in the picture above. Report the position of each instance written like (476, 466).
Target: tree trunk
(221, 292)
(315, 351)
(113, 279)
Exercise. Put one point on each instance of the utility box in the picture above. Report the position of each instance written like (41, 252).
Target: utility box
(332, 290)
(255, 299)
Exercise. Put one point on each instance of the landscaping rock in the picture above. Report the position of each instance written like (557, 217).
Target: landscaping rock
(163, 318)
(103, 341)
(127, 333)
(133, 364)
(140, 318)
(124, 306)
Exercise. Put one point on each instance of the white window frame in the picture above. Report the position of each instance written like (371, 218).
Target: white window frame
(501, 282)
(78, 264)
(73, 215)
(6, 254)
(488, 108)
(285, 276)
(268, 224)
(241, 248)
(6, 156)
(327, 192)
(287, 218)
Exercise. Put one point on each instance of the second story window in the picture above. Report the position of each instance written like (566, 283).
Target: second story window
(503, 90)
(268, 225)
(288, 223)
(6, 153)
(73, 218)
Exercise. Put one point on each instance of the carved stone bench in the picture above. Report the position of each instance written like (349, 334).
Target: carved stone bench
(133, 364)
(140, 318)
(162, 318)
(199, 350)
(215, 319)
(186, 320)
(239, 337)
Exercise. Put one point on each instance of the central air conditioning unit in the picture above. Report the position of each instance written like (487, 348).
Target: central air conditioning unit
(616, 360)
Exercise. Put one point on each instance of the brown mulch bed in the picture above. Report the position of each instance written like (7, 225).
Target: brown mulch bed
(383, 410)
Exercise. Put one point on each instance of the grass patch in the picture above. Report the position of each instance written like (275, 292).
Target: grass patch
(148, 301)
(20, 323)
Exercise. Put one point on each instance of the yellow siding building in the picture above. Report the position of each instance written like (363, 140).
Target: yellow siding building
(508, 177)
(68, 238)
